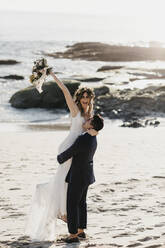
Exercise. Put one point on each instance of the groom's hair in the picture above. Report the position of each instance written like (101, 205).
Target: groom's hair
(97, 122)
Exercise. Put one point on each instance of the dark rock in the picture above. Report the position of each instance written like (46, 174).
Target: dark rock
(8, 62)
(16, 77)
(103, 90)
(26, 98)
(156, 237)
(52, 96)
(128, 105)
(154, 246)
(108, 68)
(96, 51)
(82, 78)
(111, 80)
(140, 123)
(154, 123)
(133, 79)
(125, 104)
(92, 79)
(134, 124)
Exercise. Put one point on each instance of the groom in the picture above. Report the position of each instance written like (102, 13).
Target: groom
(79, 177)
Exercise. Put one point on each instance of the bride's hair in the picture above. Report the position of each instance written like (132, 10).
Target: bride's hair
(79, 94)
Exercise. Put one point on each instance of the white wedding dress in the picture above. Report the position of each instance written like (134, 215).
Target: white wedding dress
(49, 201)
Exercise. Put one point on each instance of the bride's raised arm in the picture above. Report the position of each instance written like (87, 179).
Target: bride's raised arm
(69, 100)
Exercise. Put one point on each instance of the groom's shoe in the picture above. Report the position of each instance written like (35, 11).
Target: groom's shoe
(82, 235)
(72, 240)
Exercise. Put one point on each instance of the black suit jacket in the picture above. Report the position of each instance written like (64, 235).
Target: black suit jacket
(82, 152)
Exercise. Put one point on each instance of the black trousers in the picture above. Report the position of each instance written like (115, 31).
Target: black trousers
(76, 207)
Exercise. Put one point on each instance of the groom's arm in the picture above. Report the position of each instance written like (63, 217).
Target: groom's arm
(70, 152)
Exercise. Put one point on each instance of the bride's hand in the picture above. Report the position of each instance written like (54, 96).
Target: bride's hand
(43, 71)
(47, 71)
(92, 132)
(51, 71)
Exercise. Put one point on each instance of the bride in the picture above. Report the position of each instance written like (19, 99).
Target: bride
(49, 201)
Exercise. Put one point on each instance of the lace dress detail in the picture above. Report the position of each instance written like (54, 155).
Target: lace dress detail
(49, 201)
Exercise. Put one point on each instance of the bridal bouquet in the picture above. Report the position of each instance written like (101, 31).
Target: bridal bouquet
(39, 72)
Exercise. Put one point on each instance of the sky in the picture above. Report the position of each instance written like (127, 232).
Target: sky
(120, 7)
(123, 19)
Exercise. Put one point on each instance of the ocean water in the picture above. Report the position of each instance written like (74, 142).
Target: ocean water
(24, 37)
(26, 52)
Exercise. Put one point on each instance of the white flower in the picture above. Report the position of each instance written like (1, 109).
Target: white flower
(35, 74)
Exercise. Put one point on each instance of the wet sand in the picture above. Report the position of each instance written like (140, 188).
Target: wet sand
(126, 204)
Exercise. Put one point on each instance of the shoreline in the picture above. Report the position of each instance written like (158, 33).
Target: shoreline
(65, 125)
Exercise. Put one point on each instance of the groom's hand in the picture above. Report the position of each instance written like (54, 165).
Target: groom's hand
(59, 159)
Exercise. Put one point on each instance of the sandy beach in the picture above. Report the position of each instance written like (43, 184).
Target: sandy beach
(117, 48)
(125, 205)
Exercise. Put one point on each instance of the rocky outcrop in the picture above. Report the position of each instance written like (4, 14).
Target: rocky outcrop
(83, 78)
(15, 77)
(109, 68)
(89, 79)
(140, 123)
(96, 51)
(128, 104)
(52, 96)
(124, 104)
(8, 62)
(101, 91)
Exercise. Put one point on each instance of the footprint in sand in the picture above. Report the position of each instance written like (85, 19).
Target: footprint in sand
(15, 189)
(134, 245)
(145, 239)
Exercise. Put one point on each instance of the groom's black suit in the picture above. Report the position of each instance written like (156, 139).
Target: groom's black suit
(79, 177)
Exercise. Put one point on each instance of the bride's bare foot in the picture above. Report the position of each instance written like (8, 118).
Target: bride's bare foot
(63, 218)
(80, 231)
(81, 234)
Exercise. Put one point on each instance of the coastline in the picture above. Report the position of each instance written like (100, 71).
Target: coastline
(120, 53)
